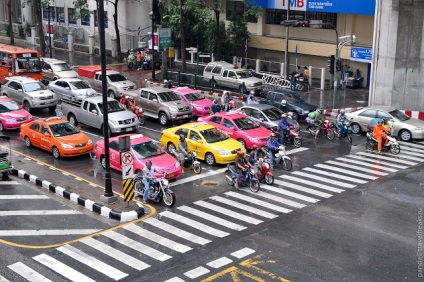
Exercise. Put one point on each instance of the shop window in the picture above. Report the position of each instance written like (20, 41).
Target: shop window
(71, 16)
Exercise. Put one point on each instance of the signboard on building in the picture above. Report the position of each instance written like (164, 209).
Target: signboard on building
(156, 40)
(164, 38)
(363, 55)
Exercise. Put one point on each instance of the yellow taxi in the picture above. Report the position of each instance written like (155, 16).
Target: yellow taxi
(210, 144)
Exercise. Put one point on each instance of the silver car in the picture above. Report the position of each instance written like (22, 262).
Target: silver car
(267, 115)
(405, 127)
(71, 89)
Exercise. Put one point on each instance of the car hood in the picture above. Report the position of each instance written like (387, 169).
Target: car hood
(122, 115)
(122, 84)
(260, 132)
(87, 92)
(74, 138)
(162, 162)
(202, 103)
(41, 93)
(413, 122)
(176, 104)
(15, 114)
(229, 144)
(67, 74)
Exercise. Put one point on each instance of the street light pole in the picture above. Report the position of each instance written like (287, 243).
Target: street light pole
(286, 55)
(152, 16)
(336, 59)
(50, 35)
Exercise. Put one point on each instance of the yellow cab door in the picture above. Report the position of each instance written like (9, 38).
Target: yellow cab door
(194, 144)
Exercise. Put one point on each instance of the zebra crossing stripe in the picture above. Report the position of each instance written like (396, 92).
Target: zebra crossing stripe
(115, 253)
(297, 150)
(177, 231)
(288, 193)
(258, 202)
(2, 279)
(346, 171)
(196, 177)
(62, 268)
(392, 159)
(219, 262)
(175, 279)
(135, 245)
(410, 144)
(26, 272)
(301, 188)
(376, 166)
(339, 176)
(419, 151)
(40, 212)
(198, 271)
(195, 224)
(408, 155)
(228, 212)
(379, 162)
(243, 253)
(278, 199)
(12, 182)
(323, 179)
(312, 183)
(23, 197)
(243, 207)
(212, 218)
(92, 262)
(355, 167)
(157, 238)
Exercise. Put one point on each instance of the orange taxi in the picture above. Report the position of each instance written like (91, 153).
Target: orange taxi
(56, 135)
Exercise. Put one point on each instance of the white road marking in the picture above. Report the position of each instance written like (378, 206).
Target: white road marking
(335, 175)
(197, 176)
(2, 279)
(40, 212)
(409, 155)
(176, 231)
(28, 273)
(195, 224)
(62, 268)
(297, 150)
(116, 254)
(23, 197)
(212, 218)
(5, 182)
(175, 279)
(392, 159)
(219, 262)
(374, 161)
(419, 151)
(241, 206)
(374, 165)
(323, 179)
(301, 188)
(312, 183)
(242, 253)
(410, 144)
(288, 193)
(346, 171)
(355, 167)
(194, 273)
(48, 232)
(258, 202)
(278, 199)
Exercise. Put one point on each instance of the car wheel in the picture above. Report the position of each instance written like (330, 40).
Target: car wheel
(111, 94)
(1, 126)
(405, 135)
(210, 159)
(163, 119)
(356, 128)
(171, 147)
(55, 152)
(27, 106)
(27, 142)
(72, 119)
(242, 142)
(103, 161)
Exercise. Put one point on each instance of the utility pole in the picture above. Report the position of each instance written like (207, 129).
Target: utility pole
(152, 16)
(50, 35)
(286, 55)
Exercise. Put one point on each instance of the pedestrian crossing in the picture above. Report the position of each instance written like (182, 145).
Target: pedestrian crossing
(134, 249)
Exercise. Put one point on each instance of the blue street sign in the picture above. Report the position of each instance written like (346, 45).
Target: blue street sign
(358, 54)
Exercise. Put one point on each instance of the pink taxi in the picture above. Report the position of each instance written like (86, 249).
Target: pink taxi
(142, 149)
(240, 127)
(201, 105)
(12, 115)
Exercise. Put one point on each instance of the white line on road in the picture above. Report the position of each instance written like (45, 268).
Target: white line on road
(376, 162)
(288, 193)
(199, 176)
(374, 165)
(346, 171)
(28, 273)
(228, 212)
(312, 183)
(355, 167)
(323, 179)
(3, 182)
(243, 207)
(258, 202)
(335, 175)
(278, 199)
(40, 212)
(302, 188)
(23, 197)
(242, 253)
(387, 158)
(48, 232)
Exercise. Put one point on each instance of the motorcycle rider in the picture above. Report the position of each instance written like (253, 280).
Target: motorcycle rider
(283, 106)
(240, 166)
(148, 172)
(379, 133)
(273, 145)
(215, 108)
(283, 127)
(341, 119)
(253, 159)
(387, 125)
(182, 150)
(319, 122)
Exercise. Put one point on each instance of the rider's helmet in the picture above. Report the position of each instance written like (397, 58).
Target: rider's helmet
(384, 120)
(283, 116)
(380, 121)
(182, 137)
(149, 163)
(165, 82)
(342, 112)
(240, 153)
(273, 135)
(283, 103)
(215, 101)
(255, 147)
(225, 92)
(319, 110)
(252, 92)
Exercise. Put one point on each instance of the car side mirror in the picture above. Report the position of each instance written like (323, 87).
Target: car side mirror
(47, 134)
(94, 112)
(200, 141)
(155, 100)
(68, 88)
(20, 90)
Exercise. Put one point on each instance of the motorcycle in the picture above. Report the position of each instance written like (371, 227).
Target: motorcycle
(279, 158)
(139, 113)
(327, 130)
(232, 103)
(264, 172)
(131, 61)
(248, 178)
(292, 136)
(5, 159)
(392, 146)
(346, 131)
(159, 189)
(190, 161)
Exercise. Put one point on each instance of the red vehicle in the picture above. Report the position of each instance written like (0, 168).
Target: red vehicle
(143, 149)
(328, 129)
(240, 127)
(201, 105)
(18, 61)
(265, 173)
(12, 115)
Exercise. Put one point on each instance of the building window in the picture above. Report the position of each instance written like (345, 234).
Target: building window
(274, 16)
(96, 22)
(236, 8)
(85, 20)
(330, 18)
(71, 16)
(60, 14)
(49, 10)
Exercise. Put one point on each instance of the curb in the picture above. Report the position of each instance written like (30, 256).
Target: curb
(88, 204)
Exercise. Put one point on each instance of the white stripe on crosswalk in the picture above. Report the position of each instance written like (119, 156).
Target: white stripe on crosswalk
(258, 202)
(157, 238)
(419, 151)
(92, 262)
(9, 183)
(40, 212)
(278, 199)
(116, 254)
(374, 161)
(243, 207)
(243, 253)
(373, 165)
(2, 279)
(23, 197)
(288, 193)
(228, 212)
(323, 179)
(176, 231)
(355, 167)
(336, 175)
(212, 218)
(301, 188)
(312, 183)
(297, 150)
(409, 155)
(27, 272)
(346, 171)
(403, 143)
(195, 224)
(196, 272)
(387, 158)
(62, 268)
(130, 243)
(195, 177)
(219, 262)
(174, 279)
(48, 232)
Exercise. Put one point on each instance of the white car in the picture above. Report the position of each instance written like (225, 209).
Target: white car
(54, 69)
(405, 127)
(71, 89)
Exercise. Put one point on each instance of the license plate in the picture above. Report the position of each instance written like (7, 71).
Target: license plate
(185, 116)
(82, 150)
(129, 129)
(170, 175)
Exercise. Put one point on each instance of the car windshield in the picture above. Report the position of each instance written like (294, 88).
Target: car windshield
(34, 86)
(63, 129)
(243, 74)
(112, 106)
(8, 106)
(195, 96)
(294, 98)
(399, 115)
(213, 135)
(272, 113)
(169, 96)
(147, 150)
(80, 84)
(61, 67)
(245, 123)
(116, 77)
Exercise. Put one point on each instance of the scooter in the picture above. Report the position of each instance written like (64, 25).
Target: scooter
(159, 189)
(292, 136)
(392, 146)
(131, 62)
(264, 171)
(5, 159)
(327, 130)
(248, 178)
(139, 113)
(346, 131)
(279, 158)
(190, 161)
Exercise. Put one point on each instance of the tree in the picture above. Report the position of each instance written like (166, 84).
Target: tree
(38, 5)
(182, 37)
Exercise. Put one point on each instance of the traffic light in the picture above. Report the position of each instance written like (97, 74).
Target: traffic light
(330, 65)
(339, 65)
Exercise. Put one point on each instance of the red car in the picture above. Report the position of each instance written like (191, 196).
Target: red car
(142, 149)
(12, 115)
(201, 105)
(240, 127)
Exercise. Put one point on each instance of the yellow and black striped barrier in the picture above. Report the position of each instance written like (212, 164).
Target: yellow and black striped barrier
(128, 187)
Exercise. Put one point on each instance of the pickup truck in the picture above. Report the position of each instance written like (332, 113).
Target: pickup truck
(116, 82)
(294, 102)
(90, 112)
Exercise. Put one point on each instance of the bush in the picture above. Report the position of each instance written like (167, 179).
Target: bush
(28, 29)
(21, 31)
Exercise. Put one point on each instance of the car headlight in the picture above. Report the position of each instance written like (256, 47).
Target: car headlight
(253, 139)
(90, 141)
(35, 98)
(223, 152)
(172, 110)
(10, 120)
(199, 108)
(114, 121)
(177, 164)
(66, 146)
(306, 112)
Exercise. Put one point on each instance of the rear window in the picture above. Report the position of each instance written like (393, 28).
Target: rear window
(209, 68)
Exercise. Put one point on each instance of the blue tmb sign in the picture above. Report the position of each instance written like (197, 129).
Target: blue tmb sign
(363, 55)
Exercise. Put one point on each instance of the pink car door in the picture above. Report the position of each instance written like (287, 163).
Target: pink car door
(115, 161)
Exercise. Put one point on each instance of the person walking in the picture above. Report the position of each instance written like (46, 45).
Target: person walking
(139, 60)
